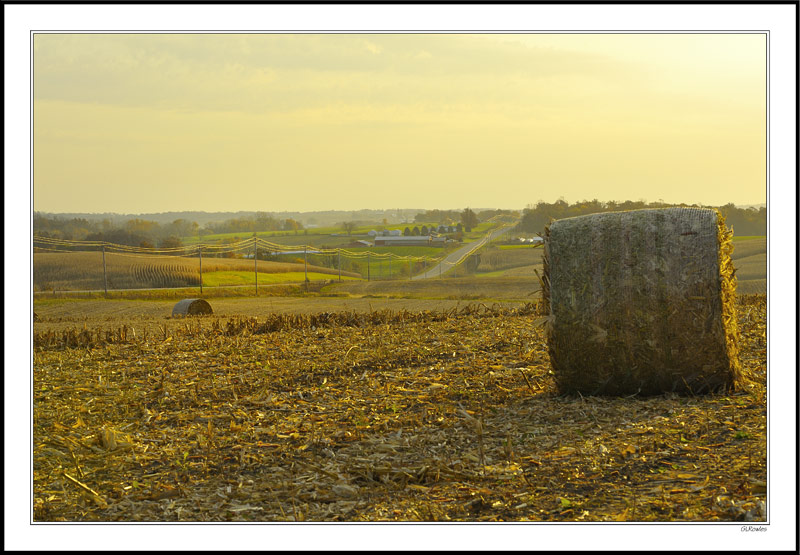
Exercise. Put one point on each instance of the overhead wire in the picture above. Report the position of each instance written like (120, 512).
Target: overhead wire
(254, 243)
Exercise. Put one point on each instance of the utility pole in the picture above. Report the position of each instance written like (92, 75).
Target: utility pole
(339, 262)
(200, 252)
(305, 259)
(255, 259)
(105, 279)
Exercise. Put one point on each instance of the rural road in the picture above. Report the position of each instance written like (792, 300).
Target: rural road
(456, 256)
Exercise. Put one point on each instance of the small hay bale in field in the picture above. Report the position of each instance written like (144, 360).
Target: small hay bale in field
(191, 307)
(641, 302)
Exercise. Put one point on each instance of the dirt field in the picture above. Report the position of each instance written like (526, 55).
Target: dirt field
(472, 288)
(369, 415)
(110, 314)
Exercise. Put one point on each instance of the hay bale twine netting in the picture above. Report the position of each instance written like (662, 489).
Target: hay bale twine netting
(641, 302)
(191, 307)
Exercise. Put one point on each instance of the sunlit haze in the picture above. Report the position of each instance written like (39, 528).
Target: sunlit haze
(139, 123)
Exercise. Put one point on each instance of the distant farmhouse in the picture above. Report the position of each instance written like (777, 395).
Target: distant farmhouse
(385, 233)
(526, 240)
(395, 237)
(360, 243)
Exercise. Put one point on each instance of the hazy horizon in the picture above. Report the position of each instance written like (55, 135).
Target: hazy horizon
(146, 123)
(353, 210)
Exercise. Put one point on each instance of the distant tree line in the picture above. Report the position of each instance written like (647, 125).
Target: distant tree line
(485, 215)
(261, 221)
(134, 232)
(467, 217)
(137, 232)
(417, 231)
(745, 221)
(444, 217)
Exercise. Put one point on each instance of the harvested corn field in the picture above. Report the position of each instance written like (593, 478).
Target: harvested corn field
(84, 270)
(448, 415)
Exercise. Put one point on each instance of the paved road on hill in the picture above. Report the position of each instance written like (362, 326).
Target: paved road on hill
(456, 256)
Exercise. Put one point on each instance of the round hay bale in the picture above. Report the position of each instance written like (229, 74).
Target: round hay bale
(641, 302)
(191, 307)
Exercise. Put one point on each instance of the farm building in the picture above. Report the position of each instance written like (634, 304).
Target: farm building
(411, 241)
(360, 243)
(526, 240)
(385, 233)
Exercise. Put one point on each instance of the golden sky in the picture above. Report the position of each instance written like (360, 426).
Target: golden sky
(137, 123)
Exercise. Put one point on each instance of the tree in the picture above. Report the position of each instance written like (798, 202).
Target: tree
(425, 230)
(290, 224)
(441, 216)
(415, 231)
(348, 226)
(265, 222)
(469, 219)
(406, 232)
(170, 242)
(144, 227)
(180, 228)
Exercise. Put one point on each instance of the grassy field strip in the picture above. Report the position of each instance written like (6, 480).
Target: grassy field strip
(514, 247)
(221, 278)
(520, 271)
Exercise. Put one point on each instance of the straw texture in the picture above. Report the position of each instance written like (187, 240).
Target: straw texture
(641, 302)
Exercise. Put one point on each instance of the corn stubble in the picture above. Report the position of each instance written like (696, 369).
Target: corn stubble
(385, 416)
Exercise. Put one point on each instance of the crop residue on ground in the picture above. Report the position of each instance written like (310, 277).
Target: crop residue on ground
(438, 416)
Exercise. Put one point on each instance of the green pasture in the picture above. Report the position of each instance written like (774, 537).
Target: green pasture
(514, 247)
(430, 252)
(222, 278)
(332, 236)
(315, 236)
(280, 237)
(479, 231)
(497, 273)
